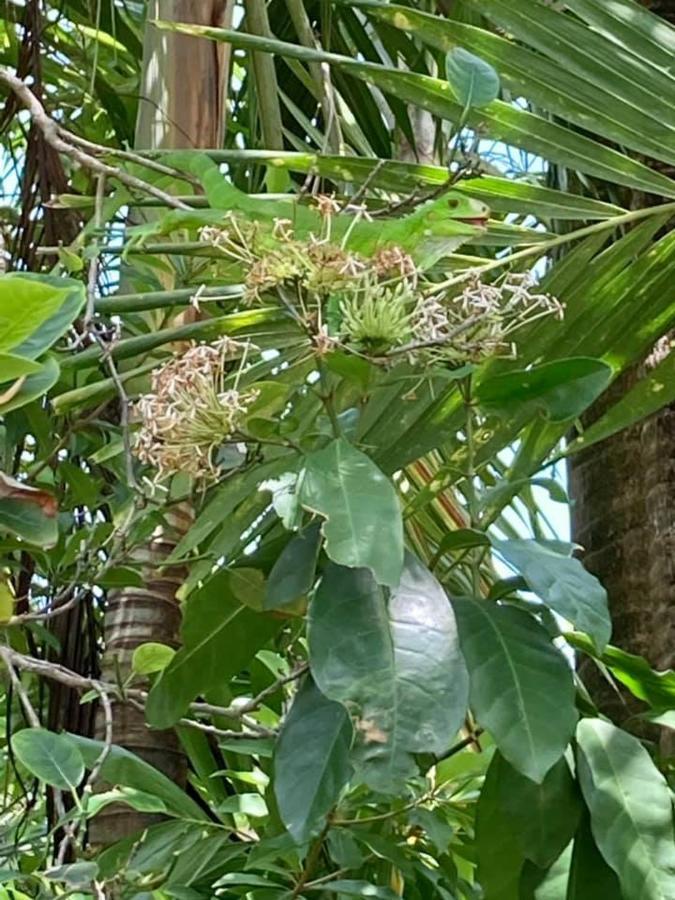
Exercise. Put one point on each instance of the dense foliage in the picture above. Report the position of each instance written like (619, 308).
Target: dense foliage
(324, 415)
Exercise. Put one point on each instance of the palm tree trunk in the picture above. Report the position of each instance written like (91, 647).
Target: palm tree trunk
(182, 106)
(623, 514)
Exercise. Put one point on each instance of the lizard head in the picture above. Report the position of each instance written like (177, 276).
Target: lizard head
(453, 209)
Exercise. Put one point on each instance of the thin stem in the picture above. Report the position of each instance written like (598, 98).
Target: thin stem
(326, 395)
(471, 496)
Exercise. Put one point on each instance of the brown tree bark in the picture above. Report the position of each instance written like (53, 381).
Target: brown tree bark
(182, 106)
(623, 514)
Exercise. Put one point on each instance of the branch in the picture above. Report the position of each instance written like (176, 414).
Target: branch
(63, 142)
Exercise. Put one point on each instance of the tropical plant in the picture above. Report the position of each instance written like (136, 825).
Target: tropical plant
(375, 683)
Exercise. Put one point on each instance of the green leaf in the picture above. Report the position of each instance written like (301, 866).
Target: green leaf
(29, 521)
(562, 389)
(631, 809)
(473, 80)
(351, 888)
(122, 767)
(34, 386)
(293, 573)
(138, 800)
(499, 856)
(590, 878)
(563, 584)
(363, 527)
(547, 884)
(522, 690)
(652, 392)
(151, 657)
(311, 761)
(53, 758)
(12, 367)
(655, 688)
(220, 636)
(543, 816)
(396, 661)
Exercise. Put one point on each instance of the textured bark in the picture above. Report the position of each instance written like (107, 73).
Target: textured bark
(182, 106)
(624, 516)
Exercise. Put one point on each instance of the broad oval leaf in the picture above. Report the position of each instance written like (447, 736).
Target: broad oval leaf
(563, 584)
(499, 855)
(396, 660)
(543, 816)
(311, 761)
(53, 758)
(124, 768)
(631, 809)
(522, 690)
(35, 310)
(562, 389)
(474, 81)
(220, 635)
(151, 657)
(363, 527)
(32, 386)
(294, 570)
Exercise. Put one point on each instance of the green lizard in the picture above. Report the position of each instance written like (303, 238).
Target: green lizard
(429, 233)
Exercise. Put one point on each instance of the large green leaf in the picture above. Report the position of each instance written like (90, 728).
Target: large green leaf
(311, 761)
(294, 570)
(522, 689)
(562, 389)
(543, 816)
(363, 526)
(499, 854)
(589, 877)
(12, 367)
(546, 884)
(122, 767)
(652, 392)
(562, 583)
(220, 635)
(396, 661)
(631, 809)
(473, 80)
(35, 385)
(35, 310)
(53, 758)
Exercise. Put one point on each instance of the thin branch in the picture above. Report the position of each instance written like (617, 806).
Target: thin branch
(58, 138)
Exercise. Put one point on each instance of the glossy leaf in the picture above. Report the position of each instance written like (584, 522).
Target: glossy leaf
(499, 855)
(122, 767)
(395, 661)
(589, 877)
(562, 389)
(631, 809)
(311, 761)
(220, 635)
(473, 80)
(53, 758)
(543, 816)
(32, 386)
(522, 690)
(652, 392)
(294, 571)
(12, 367)
(363, 526)
(546, 884)
(562, 583)
(151, 657)
(351, 888)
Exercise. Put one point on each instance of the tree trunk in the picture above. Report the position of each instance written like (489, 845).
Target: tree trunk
(623, 515)
(182, 106)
